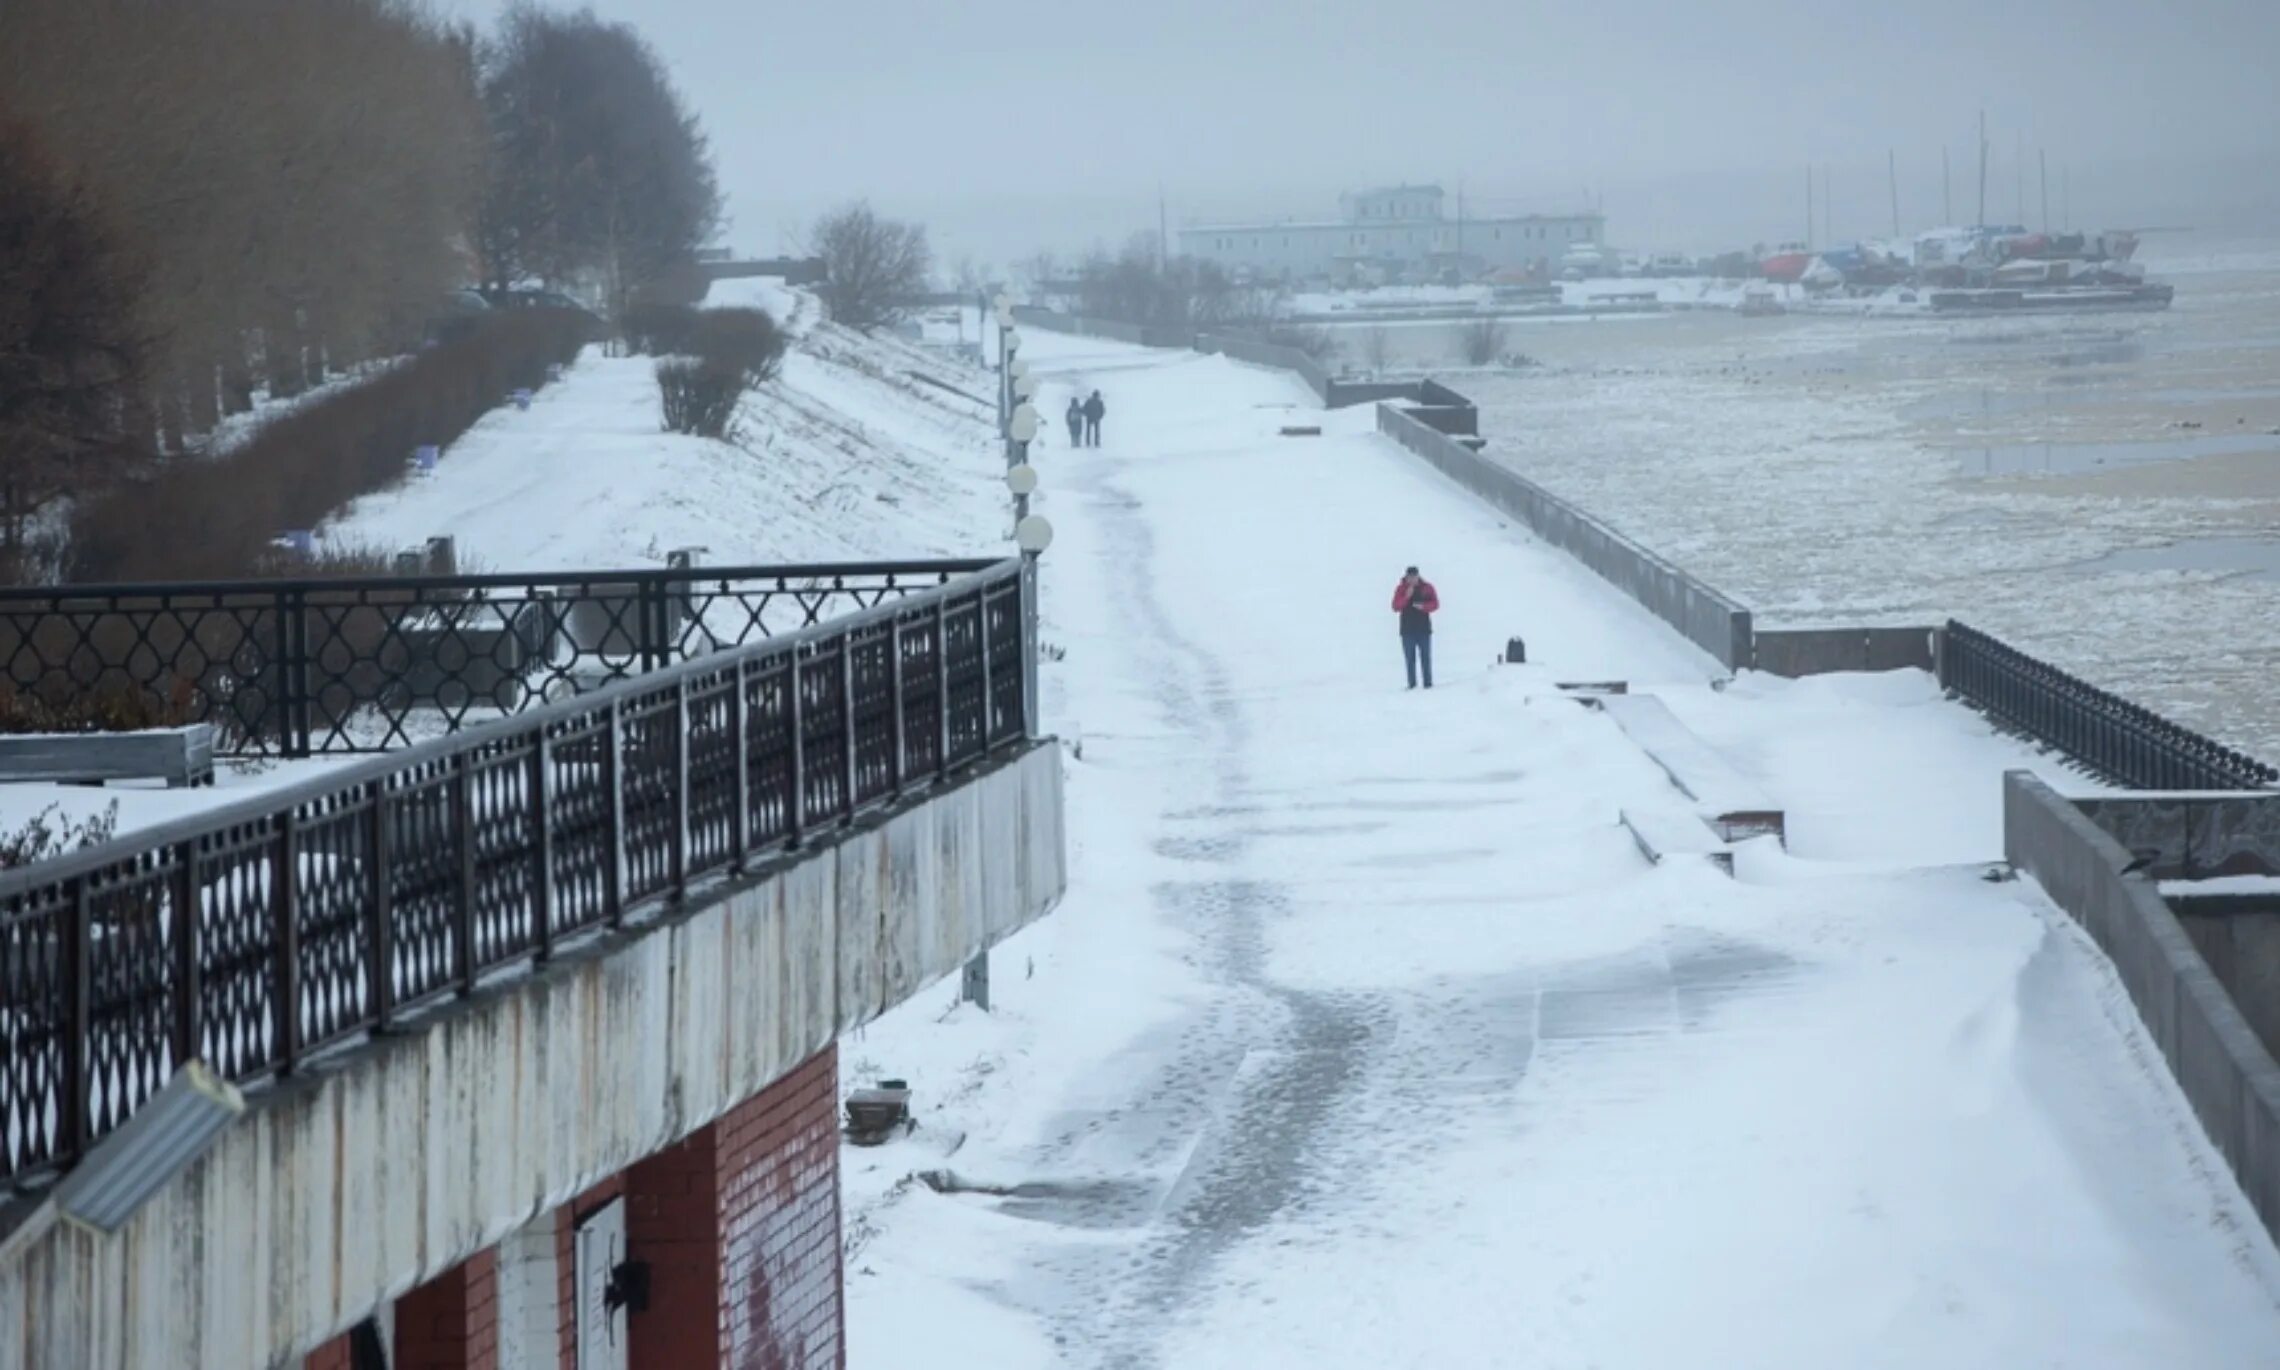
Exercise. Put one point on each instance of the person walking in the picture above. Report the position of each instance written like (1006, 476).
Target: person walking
(1416, 601)
(1095, 410)
(1076, 421)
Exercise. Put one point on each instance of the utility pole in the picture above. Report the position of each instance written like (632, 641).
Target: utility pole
(1982, 221)
(1828, 212)
(1892, 179)
(1163, 233)
(2066, 196)
(1947, 201)
(2042, 155)
(1808, 204)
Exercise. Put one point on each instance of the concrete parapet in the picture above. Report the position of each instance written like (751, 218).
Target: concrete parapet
(2227, 1073)
(1796, 652)
(369, 1174)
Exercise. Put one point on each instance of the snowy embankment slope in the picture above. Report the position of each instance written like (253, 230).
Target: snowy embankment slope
(1366, 1037)
(849, 454)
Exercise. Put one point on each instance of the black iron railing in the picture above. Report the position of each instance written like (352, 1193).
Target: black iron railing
(2108, 735)
(291, 668)
(253, 935)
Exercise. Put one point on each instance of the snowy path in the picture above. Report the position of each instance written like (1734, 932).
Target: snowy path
(1366, 1038)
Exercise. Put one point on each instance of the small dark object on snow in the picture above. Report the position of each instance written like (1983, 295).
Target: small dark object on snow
(1998, 873)
(1515, 652)
(874, 1114)
(1305, 431)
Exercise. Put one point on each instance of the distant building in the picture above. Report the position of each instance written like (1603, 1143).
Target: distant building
(1393, 233)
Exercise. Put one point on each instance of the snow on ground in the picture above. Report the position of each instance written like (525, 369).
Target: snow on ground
(862, 448)
(865, 448)
(1366, 1037)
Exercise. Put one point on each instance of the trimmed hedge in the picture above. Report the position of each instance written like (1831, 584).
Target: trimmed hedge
(197, 519)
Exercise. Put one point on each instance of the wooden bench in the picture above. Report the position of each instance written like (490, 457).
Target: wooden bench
(1666, 831)
(181, 757)
(1734, 807)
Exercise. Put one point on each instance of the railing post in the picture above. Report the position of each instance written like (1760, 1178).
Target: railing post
(895, 684)
(796, 817)
(466, 964)
(78, 983)
(613, 777)
(650, 613)
(383, 930)
(678, 866)
(1032, 709)
(285, 941)
(542, 879)
(295, 669)
(847, 731)
(739, 733)
(942, 685)
(184, 940)
(982, 639)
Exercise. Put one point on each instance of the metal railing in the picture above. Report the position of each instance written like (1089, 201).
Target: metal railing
(251, 936)
(296, 667)
(2121, 742)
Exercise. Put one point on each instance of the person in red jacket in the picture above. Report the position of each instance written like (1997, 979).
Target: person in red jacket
(1416, 601)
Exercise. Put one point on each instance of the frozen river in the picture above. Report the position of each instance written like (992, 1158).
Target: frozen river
(2103, 491)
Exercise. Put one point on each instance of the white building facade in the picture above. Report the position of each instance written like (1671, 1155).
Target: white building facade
(1397, 232)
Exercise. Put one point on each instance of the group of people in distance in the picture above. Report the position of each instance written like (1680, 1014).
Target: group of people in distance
(1084, 418)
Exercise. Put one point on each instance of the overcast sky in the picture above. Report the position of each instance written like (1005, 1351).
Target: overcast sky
(1013, 125)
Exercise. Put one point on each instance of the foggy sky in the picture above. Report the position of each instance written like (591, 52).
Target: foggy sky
(1014, 125)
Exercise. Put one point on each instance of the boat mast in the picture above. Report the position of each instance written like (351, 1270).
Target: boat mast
(2019, 170)
(1982, 221)
(2042, 155)
(1808, 206)
(1892, 179)
(1947, 201)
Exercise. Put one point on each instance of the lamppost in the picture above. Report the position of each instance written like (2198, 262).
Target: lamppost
(1002, 310)
(1020, 430)
(1019, 384)
(1021, 480)
(1032, 534)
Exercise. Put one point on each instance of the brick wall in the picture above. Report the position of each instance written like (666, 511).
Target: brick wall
(451, 1322)
(739, 1223)
(672, 1222)
(333, 1355)
(566, 1258)
(778, 1165)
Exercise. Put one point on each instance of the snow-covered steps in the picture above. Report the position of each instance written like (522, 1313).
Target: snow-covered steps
(1734, 808)
(1667, 831)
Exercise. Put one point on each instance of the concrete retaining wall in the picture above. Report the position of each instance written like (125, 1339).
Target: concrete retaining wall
(361, 1179)
(1796, 652)
(2225, 1070)
(2194, 836)
(1708, 619)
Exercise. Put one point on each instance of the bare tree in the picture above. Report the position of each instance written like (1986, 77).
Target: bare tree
(595, 164)
(872, 265)
(290, 179)
(68, 353)
(1377, 350)
(1482, 341)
